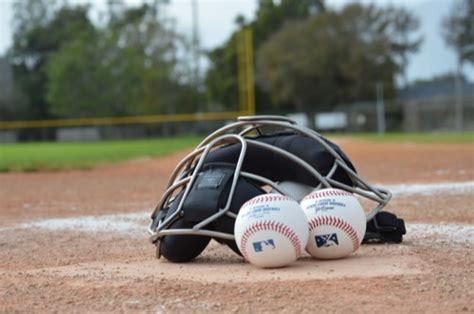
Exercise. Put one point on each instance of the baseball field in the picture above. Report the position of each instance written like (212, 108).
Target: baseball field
(73, 235)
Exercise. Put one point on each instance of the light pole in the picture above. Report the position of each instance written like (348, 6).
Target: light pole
(380, 106)
(458, 108)
(195, 42)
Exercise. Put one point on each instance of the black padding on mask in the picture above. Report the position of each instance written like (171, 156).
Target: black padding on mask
(181, 248)
(184, 248)
(385, 227)
(203, 199)
(277, 167)
(244, 191)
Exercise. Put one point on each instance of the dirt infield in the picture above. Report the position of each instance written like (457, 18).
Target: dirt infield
(77, 241)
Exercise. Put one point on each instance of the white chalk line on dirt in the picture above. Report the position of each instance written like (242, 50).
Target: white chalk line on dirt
(135, 225)
(450, 234)
(431, 188)
(120, 223)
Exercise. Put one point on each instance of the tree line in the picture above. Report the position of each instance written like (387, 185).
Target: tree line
(132, 61)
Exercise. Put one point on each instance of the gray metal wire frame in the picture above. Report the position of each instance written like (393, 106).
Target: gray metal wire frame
(187, 171)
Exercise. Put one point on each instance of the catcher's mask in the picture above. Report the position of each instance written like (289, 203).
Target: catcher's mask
(238, 162)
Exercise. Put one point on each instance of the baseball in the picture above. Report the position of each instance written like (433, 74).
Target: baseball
(337, 223)
(271, 230)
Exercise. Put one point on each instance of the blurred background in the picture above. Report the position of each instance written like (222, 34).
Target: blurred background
(95, 70)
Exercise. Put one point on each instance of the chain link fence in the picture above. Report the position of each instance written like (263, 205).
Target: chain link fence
(434, 114)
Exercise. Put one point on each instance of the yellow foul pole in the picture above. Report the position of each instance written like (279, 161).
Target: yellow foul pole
(241, 68)
(246, 71)
(250, 72)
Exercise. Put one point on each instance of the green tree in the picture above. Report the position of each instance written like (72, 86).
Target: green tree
(401, 26)
(335, 57)
(129, 67)
(12, 102)
(458, 30)
(221, 78)
(41, 28)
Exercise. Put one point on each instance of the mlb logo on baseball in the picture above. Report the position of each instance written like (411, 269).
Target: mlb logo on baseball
(271, 230)
(264, 245)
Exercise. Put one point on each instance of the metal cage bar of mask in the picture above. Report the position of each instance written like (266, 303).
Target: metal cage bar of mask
(158, 231)
(361, 187)
(187, 170)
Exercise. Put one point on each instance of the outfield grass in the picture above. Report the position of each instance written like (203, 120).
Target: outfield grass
(58, 156)
(467, 137)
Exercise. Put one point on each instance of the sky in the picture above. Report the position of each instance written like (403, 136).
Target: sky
(217, 21)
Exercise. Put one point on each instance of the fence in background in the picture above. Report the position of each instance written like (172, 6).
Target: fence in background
(438, 114)
(421, 115)
(114, 127)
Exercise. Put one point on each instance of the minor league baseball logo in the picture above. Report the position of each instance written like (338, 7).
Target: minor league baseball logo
(326, 240)
(261, 245)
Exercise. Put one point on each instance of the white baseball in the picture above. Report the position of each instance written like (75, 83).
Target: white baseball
(271, 230)
(337, 223)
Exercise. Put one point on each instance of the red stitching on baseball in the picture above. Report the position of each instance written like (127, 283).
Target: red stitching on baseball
(326, 193)
(267, 198)
(337, 223)
(272, 226)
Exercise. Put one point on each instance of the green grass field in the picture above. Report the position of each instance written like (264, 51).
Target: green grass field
(58, 156)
